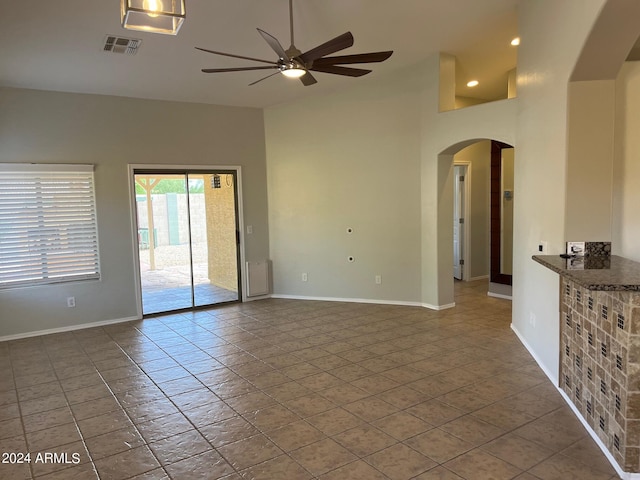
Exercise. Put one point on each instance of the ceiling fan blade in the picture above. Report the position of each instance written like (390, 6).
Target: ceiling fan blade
(372, 57)
(236, 56)
(263, 78)
(349, 72)
(274, 44)
(238, 69)
(308, 79)
(334, 45)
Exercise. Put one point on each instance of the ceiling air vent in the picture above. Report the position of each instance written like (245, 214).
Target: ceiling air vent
(121, 44)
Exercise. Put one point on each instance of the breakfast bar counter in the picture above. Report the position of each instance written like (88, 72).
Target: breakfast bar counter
(612, 273)
(600, 348)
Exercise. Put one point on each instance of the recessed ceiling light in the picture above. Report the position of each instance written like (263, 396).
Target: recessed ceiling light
(473, 83)
(515, 42)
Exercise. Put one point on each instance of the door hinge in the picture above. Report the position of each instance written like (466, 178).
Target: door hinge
(461, 220)
(461, 177)
(461, 262)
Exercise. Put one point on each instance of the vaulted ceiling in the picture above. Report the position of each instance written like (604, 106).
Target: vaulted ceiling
(58, 45)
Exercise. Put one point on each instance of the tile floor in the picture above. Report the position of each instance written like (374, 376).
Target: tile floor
(291, 390)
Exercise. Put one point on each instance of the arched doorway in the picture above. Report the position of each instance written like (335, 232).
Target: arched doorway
(475, 155)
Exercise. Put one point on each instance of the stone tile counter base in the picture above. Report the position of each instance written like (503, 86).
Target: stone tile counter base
(600, 365)
(600, 349)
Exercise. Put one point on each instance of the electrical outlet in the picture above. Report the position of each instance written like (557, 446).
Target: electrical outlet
(378, 279)
(304, 277)
(71, 302)
(543, 247)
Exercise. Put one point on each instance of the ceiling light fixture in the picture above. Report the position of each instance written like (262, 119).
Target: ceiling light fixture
(515, 42)
(292, 70)
(473, 83)
(155, 16)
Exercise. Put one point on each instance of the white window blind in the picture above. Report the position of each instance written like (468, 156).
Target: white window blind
(48, 230)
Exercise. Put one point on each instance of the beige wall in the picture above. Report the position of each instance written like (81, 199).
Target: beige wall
(626, 217)
(377, 157)
(347, 160)
(590, 145)
(553, 34)
(463, 102)
(479, 218)
(443, 136)
(112, 132)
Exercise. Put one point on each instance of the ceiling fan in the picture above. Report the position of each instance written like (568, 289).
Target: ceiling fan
(295, 64)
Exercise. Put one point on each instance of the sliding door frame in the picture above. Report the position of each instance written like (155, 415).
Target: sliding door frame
(182, 169)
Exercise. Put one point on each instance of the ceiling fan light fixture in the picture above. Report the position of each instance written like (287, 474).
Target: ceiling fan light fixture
(155, 16)
(291, 68)
(295, 64)
(294, 72)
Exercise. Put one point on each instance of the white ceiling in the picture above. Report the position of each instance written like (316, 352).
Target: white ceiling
(57, 45)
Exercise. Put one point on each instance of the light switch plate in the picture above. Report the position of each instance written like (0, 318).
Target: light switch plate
(543, 247)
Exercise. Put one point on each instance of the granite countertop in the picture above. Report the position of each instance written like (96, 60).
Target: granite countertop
(612, 273)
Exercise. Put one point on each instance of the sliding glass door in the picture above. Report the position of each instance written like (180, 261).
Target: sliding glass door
(187, 230)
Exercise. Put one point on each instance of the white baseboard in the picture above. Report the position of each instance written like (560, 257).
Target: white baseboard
(69, 328)
(498, 295)
(623, 475)
(349, 300)
(550, 375)
(365, 300)
(438, 307)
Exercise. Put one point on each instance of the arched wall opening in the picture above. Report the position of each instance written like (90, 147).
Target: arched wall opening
(445, 197)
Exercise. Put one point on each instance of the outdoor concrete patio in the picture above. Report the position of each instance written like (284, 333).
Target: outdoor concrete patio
(169, 288)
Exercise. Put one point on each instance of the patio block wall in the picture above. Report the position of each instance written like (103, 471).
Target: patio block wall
(221, 232)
